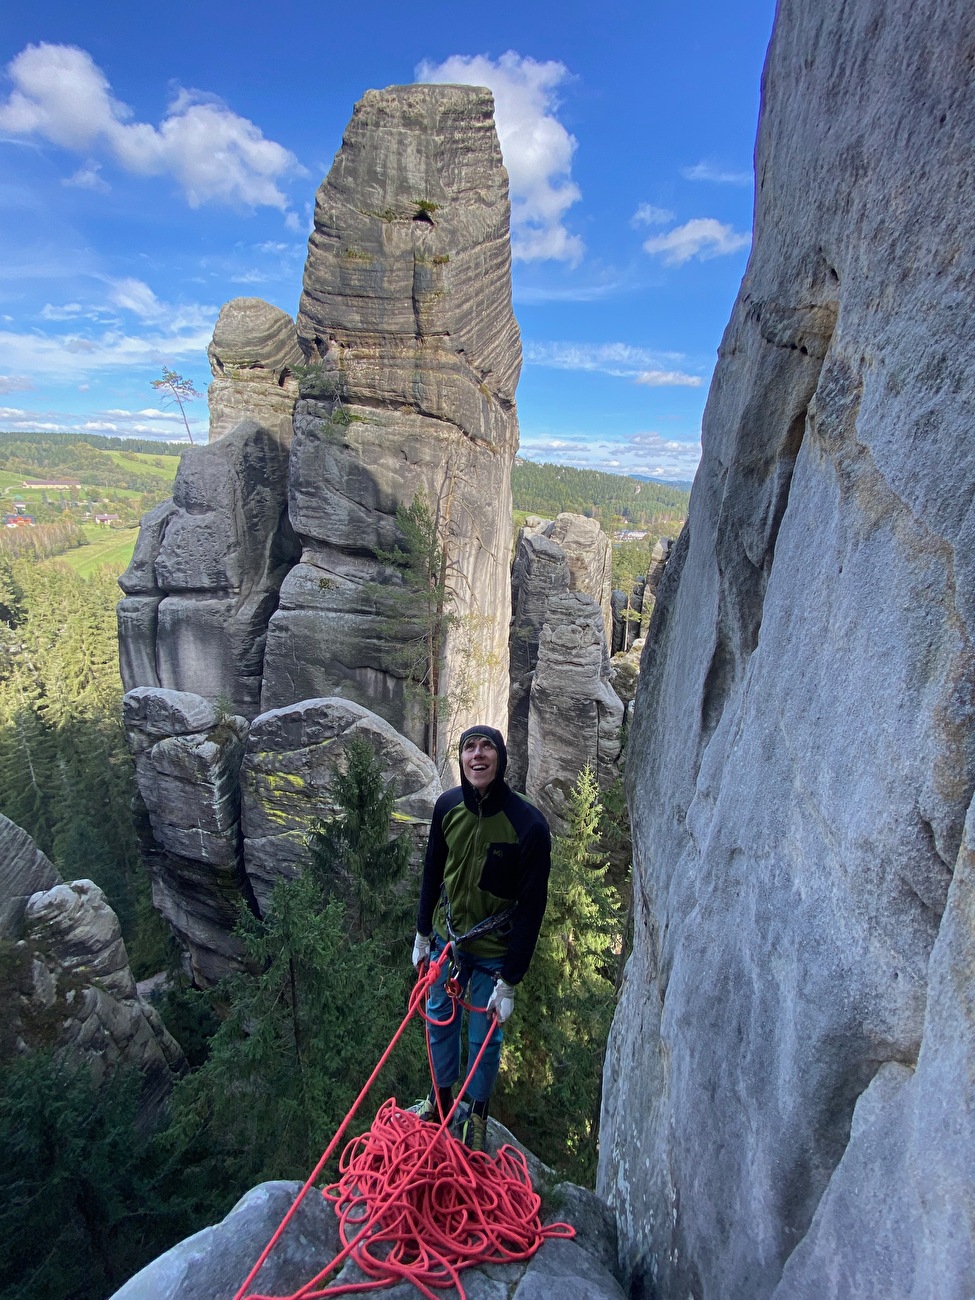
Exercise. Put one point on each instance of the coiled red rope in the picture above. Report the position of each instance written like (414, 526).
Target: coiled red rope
(413, 1203)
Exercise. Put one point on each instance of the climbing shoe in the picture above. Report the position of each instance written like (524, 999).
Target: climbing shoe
(425, 1108)
(474, 1133)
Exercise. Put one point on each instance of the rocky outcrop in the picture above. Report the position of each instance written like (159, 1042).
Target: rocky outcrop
(24, 870)
(288, 773)
(229, 805)
(590, 557)
(540, 571)
(205, 576)
(253, 356)
(216, 1261)
(187, 762)
(788, 1101)
(575, 716)
(80, 977)
(67, 986)
(407, 310)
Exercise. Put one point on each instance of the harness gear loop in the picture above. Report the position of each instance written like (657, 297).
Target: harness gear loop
(487, 926)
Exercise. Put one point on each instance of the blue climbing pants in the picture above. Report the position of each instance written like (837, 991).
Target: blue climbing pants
(477, 979)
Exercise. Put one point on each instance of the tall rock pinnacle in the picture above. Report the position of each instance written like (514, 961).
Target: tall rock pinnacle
(406, 316)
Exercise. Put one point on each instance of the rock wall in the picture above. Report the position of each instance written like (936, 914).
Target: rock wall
(67, 985)
(267, 579)
(407, 308)
(229, 805)
(253, 356)
(789, 1107)
(575, 717)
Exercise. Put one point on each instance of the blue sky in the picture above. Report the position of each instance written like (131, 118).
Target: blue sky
(158, 160)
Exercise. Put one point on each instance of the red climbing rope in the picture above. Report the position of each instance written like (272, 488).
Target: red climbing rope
(413, 1203)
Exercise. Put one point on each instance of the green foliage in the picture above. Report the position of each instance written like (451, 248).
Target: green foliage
(614, 499)
(550, 1082)
(631, 559)
(323, 995)
(86, 1198)
(353, 856)
(177, 391)
(65, 773)
(418, 608)
(317, 382)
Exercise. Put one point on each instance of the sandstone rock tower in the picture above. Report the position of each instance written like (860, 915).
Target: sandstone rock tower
(789, 1097)
(407, 308)
(262, 582)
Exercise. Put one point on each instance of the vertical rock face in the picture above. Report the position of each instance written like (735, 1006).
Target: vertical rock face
(575, 716)
(205, 575)
(407, 308)
(252, 355)
(788, 1098)
(590, 556)
(187, 763)
(541, 570)
(67, 985)
(81, 973)
(288, 774)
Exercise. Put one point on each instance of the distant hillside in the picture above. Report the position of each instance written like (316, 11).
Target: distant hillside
(137, 464)
(616, 500)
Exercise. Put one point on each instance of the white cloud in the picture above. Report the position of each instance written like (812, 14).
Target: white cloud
(618, 359)
(136, 297)
(88, 178)
(15, 384)
(708, 171)
(75, 359)
(647, 215)
(122, 423)
(669, 379)
(702, 237)
(645, 454)
(62, 96)
(537, 148)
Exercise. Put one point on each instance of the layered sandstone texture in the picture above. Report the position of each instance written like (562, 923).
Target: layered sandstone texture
(575, 718)
(406, 310)
(288, 777)
(229, 805)
(207, 568)
(789, 1093)
(552, 557)
(253, 355)
(67, 983)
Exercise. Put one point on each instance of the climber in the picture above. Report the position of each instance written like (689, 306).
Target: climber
(485, 884)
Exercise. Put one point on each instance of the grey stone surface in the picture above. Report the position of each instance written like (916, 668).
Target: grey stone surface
(590, 556)
(252, 353)
(540, 571)
(407, 305)
(575, 717)
(205, 576)
(213, 1264)
(80, 973)
(293, 754)
(564, 1269)
(187, 762)
(24, 870)
(802, 758)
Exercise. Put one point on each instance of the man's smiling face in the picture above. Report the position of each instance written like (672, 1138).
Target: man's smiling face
(479, 760)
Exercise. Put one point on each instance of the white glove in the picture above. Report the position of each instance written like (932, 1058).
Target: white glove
(501, 1001)
(421, 949)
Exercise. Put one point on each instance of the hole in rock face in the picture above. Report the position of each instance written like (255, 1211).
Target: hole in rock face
(423, 216)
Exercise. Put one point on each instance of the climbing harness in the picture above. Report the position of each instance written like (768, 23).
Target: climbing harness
(455, 982)
(414, 1205)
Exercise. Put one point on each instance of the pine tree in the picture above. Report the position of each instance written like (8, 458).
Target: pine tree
(551, 1071)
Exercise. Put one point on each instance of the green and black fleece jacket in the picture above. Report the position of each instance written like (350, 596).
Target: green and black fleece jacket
(489, 852)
